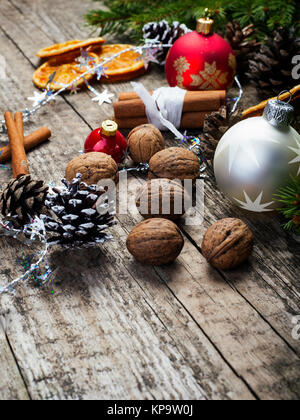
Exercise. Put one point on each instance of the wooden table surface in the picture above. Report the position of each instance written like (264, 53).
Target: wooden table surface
(115, 329)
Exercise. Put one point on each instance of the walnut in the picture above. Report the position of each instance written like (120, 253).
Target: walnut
(227, 244)
(162, 198)
(155, 242)
(93, 166)
(174, 163)
(144, 142)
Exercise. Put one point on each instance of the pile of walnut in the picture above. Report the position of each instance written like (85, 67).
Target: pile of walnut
(158, 240)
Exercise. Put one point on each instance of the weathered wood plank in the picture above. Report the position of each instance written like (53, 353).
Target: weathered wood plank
(233, 325)
(82, 112)
(276, 257)
(11, 382)
(101, 335)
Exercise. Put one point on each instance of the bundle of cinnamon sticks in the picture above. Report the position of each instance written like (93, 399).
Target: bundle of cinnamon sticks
(18, 144)
(130, 110)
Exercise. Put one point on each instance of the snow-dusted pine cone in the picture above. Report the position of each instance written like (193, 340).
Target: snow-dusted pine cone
(271, 68)
(79, 214)
(162, 32)
(23, 199)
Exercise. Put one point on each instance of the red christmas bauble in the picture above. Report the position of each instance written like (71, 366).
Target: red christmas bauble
(201, 62)
(107, 139)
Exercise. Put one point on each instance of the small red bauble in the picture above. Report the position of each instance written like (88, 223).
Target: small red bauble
(201, 60)
(107, 139)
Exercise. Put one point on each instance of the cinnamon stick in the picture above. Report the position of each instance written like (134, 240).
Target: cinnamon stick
(19, 159)
(190, 120)
(34, 139)
(20, 124)
(130, 105)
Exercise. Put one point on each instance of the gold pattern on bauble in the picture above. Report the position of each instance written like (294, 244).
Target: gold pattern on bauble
(210, 78)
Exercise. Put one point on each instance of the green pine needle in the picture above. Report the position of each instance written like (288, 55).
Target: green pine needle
(289, 196)
(117, 17)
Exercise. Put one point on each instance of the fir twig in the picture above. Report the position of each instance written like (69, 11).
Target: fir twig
(129, 16)
(289, 196)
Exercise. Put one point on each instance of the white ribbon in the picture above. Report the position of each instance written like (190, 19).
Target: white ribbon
(164, 107)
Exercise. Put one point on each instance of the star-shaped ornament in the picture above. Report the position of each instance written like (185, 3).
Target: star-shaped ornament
(85, 60)
(38, 98)
(74, 90)
(100, 71)
(139, 50)
(297, 151)
(255, 205)
(103, 97)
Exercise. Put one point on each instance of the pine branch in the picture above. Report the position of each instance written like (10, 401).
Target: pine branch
(289, 196)
(129, 16)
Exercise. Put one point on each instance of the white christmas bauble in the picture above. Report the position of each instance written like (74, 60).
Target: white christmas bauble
(255, 158)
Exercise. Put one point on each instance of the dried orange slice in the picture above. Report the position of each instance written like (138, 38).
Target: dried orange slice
(67, 69)
(127, 66)
(58, 49)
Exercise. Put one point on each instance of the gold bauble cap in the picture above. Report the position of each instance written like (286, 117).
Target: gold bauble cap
(109, 128)
(205, 26)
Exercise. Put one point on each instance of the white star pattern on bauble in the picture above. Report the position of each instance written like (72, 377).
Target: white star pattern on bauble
(297, 151)
(256, 205)
(103, 97)
(247, 145)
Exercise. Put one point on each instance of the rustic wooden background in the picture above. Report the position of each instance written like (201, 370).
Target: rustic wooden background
(114, 329)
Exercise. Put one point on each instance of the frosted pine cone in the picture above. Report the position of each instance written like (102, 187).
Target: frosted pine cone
(163, 33)
(79, 215)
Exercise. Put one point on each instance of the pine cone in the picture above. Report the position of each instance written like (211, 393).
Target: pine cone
(271, 69)
(74, 219)
(243, 44)
(215, 126)
(23, 199)
(162, 32)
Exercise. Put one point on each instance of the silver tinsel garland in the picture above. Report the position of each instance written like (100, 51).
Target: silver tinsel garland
(36, 230)
(146, 51)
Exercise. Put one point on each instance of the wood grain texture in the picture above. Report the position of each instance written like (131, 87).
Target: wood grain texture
(101, 336)
(117, 329)
(12, 386)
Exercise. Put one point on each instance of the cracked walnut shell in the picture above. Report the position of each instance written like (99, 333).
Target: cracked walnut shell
(144, 142)
(155, 242)
(174, 163)
(93, 167)
(227, 244)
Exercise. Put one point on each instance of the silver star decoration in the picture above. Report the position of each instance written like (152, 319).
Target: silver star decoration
(139, 50)
(297, 151)
(256, 205)
(74, 90)
(103, 97)
(38, 98)
(85, 59)
(149, 57)
(100, 71)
